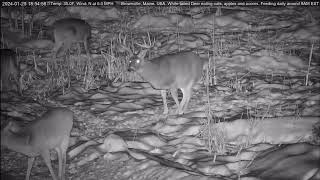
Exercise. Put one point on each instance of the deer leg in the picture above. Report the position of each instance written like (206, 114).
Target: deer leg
(46, 157)
(185, 100)
(174, 94)
(30, 163)
(62, 154)
(67, 47)
(56, 48)
(79, 48)
(164, 100)
(86, 47)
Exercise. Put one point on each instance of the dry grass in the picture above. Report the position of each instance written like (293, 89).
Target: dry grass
(214, 137)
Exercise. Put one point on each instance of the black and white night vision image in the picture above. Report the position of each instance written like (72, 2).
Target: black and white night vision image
(171, 90)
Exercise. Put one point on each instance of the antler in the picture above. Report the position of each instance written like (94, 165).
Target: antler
(123, 44)
(145, 45)
(151, 44)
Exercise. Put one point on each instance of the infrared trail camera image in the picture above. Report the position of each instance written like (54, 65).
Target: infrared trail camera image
(172, 90)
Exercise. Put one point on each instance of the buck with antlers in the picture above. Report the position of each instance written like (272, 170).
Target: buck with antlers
(181, 70)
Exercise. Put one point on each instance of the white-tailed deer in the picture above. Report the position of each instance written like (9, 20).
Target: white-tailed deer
(175, 71)
(51, 131)
(10, 71)
(68, 31)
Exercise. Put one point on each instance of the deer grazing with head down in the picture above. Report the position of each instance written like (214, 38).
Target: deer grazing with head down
(68, 31)
(181, 70)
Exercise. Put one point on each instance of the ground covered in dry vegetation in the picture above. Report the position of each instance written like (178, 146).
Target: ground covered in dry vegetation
(255, 113)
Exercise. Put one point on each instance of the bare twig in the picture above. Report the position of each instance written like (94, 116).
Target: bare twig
(310, 57)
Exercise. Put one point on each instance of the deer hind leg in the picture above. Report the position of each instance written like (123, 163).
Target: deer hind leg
(185, 99)
(30, 164)
(164, 100)
(174, 94)
(58, 45)
(79, 48)
(46, 157)
(67, 47)
(20, 83)
(62, 155)
(85, 42)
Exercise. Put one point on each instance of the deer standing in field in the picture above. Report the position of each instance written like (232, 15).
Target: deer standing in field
(181, 70)
(51, 131)
(68, 31)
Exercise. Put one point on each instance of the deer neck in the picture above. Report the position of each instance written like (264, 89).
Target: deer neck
(148, 70)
